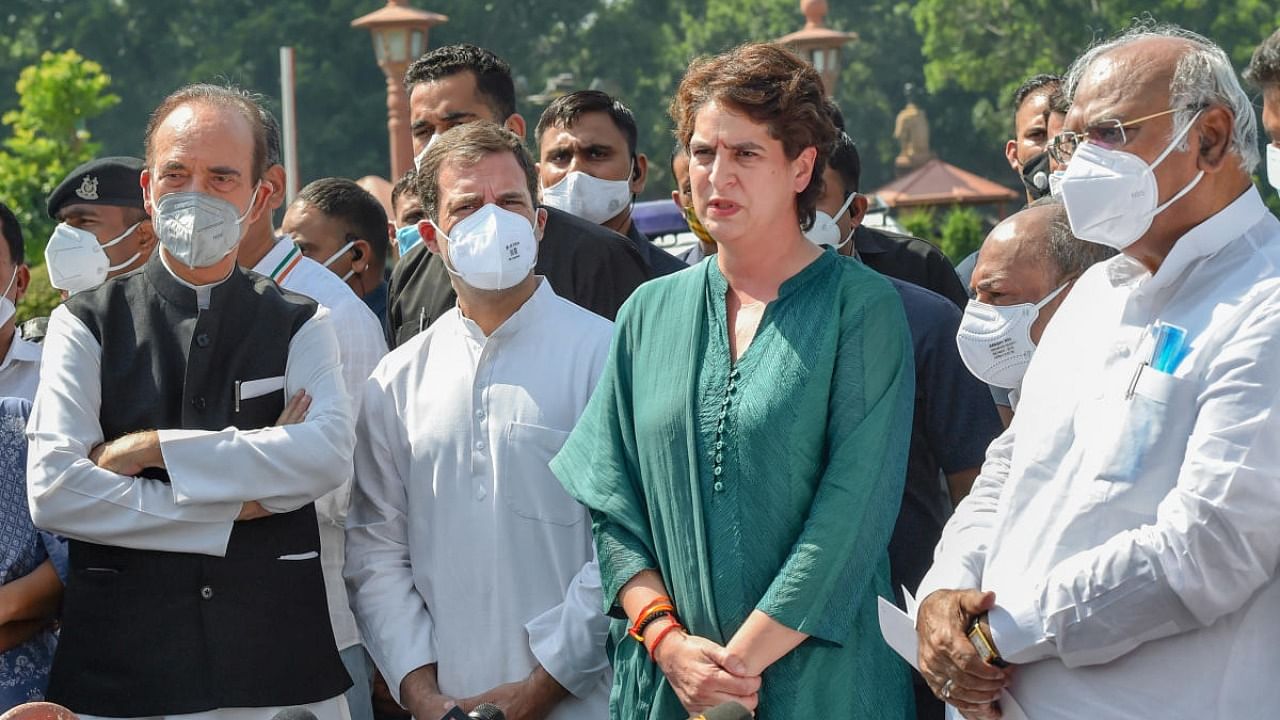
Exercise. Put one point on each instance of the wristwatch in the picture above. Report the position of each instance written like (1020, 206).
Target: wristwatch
(983, 643)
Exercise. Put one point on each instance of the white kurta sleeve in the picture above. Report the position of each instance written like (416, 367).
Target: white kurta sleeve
(569, 639)
(392, 616)
(1213, 542)
(361, 345)
(71, 496)
(961, 553)
(301, 461)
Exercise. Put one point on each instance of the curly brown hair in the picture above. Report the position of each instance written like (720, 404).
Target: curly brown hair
(773, 87)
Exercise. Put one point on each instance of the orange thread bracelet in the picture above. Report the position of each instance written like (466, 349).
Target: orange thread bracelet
(648, 615)
(662, 635)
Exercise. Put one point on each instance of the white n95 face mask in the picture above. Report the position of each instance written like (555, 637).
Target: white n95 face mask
(417, 159)
(588, 197)
(7, 307)
(1055, 182)
(197, 229)
(1112, 196)
(1273, 166)
(77, 262)
(826, 230)
(995, 341)
(490, 249)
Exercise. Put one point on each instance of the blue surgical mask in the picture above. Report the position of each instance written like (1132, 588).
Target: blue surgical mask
(407, 237)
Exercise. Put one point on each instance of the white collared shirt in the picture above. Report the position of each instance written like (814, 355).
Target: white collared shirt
(361, 344)
(20, 370)
(1129, 519)
(463, 549)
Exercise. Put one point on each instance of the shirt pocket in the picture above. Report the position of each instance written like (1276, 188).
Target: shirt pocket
(528, 486)
(1141, 462)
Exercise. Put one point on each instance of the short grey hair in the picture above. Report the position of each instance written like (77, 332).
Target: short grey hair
(1066, 254)
(1204, 77)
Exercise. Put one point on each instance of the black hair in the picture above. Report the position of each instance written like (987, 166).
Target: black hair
(846, 162)
(844, 152)
(406, 184)
(493, 74)
(275, 156)
(12, 232)
(1032, 84)
(677, 151)
(565, 110)
(347, 202)
(1264, 68)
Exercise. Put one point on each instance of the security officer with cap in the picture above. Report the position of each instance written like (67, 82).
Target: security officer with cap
(103, 230)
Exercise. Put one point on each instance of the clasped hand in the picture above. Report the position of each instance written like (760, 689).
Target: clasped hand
(948, 661)
(704, 674)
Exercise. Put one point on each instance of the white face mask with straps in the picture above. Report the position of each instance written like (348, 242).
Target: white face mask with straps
(1273, 166)
(490, 249)
(77, 261)
(589, 197)
(1112, 196)
(826, 229)
(995, 340)
(7, 307)
(197, 229)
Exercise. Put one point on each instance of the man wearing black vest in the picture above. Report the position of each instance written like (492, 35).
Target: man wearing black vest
(163, 447)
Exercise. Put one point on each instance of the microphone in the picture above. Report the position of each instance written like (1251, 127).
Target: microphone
(294, 713)
(38, 711)
(725, 711)
(487, 711)
(483, 711)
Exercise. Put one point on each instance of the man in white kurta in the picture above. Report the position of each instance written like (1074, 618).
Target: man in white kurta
(467, 562)
(1128, 522)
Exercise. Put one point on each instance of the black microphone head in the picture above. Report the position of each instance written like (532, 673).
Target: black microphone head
(294, 713)
(725, 711)
(487, 711)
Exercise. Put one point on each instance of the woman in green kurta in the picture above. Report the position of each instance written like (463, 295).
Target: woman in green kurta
(745, 450)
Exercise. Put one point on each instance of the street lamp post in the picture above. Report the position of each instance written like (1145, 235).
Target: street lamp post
(399, 37)
(819, 44)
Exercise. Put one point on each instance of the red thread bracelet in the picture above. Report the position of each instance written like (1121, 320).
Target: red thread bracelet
(662, 635)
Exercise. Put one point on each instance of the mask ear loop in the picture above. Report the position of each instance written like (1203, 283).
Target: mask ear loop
(840, 213)
(1049, 298)
(12, 279)
(444, 252)
(253, 197)
(1167, 151)
(118, 238)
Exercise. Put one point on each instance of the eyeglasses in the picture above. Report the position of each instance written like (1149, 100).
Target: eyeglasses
(1108, 133)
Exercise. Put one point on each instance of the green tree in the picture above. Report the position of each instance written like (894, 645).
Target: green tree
(988, 47)
(48, 135)
(961, 233)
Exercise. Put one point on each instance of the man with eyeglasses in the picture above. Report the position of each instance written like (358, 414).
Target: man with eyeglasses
(1264, 72)
(1119, 546)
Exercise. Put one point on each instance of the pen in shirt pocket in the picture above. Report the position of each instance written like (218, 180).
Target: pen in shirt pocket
(1168, 348)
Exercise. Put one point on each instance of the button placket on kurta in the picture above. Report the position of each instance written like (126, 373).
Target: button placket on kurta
(480, 449)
